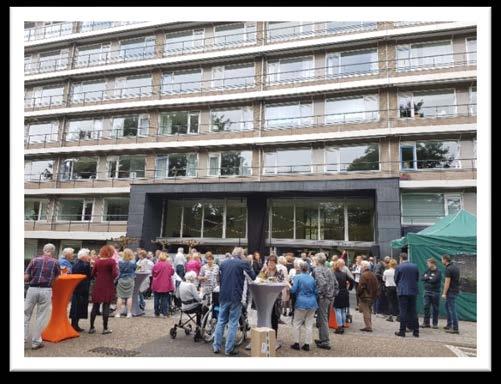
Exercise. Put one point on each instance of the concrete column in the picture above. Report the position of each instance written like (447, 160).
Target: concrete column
(388, 225)
(204, 121)
(203, 163)
(159, 43)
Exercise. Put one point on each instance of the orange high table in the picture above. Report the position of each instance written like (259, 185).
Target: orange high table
(59, 327)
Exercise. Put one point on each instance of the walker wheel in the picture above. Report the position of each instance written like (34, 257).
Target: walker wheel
(187, 330)
(173, 333)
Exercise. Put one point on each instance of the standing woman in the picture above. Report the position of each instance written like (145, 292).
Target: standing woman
(391, 290)
(80, 300)
(270, 269)
(342, 300)
(257, 262)
(105, 272)
(162, 284)
(286, 303)
(125, 284)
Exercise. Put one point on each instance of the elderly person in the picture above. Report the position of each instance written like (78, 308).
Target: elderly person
(232, 280)
(125, 284)
(144, 265)
(305, 290)
(105, 271)
(191, 302)
(179, 262)
(162, 284)
(356, 270)
(391, 289)
(80, 300)
(293, 272)
(194, 264)
(367, 291)
(286, 305)
(65, 260)
(209, 275)
(276, 271)
(304, 257)
(327, 289)
(342, 300)
(40, 274)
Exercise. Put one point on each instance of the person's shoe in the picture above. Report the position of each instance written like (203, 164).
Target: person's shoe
(306, 347)
(425, 326)
(248, 347)
(401, 334)
(339, 331)
(216, 351)
(455, 331)
(415, 334)
(77, 328)
(366, 329)
(129, 315)
(37, 346)
(117, 315)
(324, 346)
(446, 327)
(290, 313)
(107, 331)
(233, 352)
(435, 327)
(157, 314)
(390, 319)
(317, 342)
(296, 346)
(92, 330)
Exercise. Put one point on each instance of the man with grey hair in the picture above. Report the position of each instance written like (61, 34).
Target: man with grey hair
(238, 252)
(327, 289)
(179, 262)
(65, 259)
(40, 274)
(367, 291)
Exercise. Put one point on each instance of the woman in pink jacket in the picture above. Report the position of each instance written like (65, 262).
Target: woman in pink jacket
(162, 284)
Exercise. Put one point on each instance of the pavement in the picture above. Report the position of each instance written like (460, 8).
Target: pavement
(148, 336)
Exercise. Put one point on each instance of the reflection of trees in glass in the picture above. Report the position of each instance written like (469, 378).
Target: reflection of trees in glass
(232, 163)
(433, 155)
(360, 221)
(368, 162)
(177, 166)
(219, 123)
(213, 220)
(406, 109)
(47, 173)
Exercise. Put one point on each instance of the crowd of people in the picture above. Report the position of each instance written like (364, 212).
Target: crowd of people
(313, 284)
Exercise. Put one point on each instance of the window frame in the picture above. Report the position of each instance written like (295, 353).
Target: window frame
(53, 135)
(413, 113)
(275, 166)
(189, 114)
(300, 119)
(116, 160)
(181, 51)
(328, 148)
(105, 207)
(245, 40)
(122, 54)
(364, 120)
(72, 162)
(410, 67)
(446, 196)
(242, 123)
(415, 160)
(340, 53)
(104, 50)
(139, 130)
(222, 79)
(39, 180)
(172, 74)
(82, 213)
(290, 36)
(219, 155)
(277, 75)
(468, 53)
(95, 133)
(166, 157)
(42, 203)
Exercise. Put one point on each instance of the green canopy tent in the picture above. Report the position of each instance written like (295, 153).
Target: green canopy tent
(455, 235)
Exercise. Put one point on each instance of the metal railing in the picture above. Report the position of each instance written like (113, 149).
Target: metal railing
(381, 68)
(184, 173)
(78, 222)
(191, 45)
(158, 132)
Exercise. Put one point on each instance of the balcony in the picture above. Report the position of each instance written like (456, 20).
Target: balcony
(283, 126)
(94, 223)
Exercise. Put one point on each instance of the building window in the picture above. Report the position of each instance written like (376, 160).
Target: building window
(290, 69)
(35, 210)
(233, 76)
(471, 51)
(84, 129)
(176, 165)
(75, 210)
(44, 96)
(140, 48)
(234, 34)
(132, 86)
(53, 61)
(352, 109)
(427, 208)
(83, 168)
(88, 26)
(180, 42)
(352, 63)
(91, 55)
(342, 219)
(38, 170)
(126, 167)
(116, 209)
(288, 161)
(235, 119)
(284, 30)
(182, 81)
(133, 125)
(424, 55)
(349, 26)
(429, 155)
(352, 158)
(217, 219)
(42, 132)
(288, 115)
(473, 100)
(233, 163)
(179, 122)
(427, 104)
(88, 91)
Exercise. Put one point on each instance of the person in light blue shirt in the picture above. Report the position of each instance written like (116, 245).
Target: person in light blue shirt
(65, 259)
(305, 290)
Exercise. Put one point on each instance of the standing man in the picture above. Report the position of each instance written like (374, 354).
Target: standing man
(451, 290)
(65, 260)
(432, 278)
(327, 289)
(179, 262)
(305, 258)
(406, 279)
(367, 292)
(356, 270)
(40, 273)
(230, 299)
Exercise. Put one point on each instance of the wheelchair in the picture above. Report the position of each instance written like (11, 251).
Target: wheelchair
(190, 323)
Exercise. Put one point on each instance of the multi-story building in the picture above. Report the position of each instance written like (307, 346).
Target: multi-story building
(292, 135)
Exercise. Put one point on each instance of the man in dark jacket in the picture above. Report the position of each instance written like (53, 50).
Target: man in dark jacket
(406, 279)
(431, 280)
(230, 299)
(367, 290)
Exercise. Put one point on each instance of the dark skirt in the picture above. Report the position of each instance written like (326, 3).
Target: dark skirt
(79, 305)
(342, 300)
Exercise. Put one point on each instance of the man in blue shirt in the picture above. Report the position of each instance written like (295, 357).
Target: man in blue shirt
(406, 279)
(65, 259)
(230, 299)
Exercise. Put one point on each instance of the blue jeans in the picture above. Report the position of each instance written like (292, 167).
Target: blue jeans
(161, 303)
(450, 307)
(431, 302)
(340, 316)
(228, 311)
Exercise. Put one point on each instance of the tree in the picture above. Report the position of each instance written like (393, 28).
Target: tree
(433, 155)
(368, 162)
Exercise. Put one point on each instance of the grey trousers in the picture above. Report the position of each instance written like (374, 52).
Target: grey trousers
(323, 320)
(41, 297)
(306, 317)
